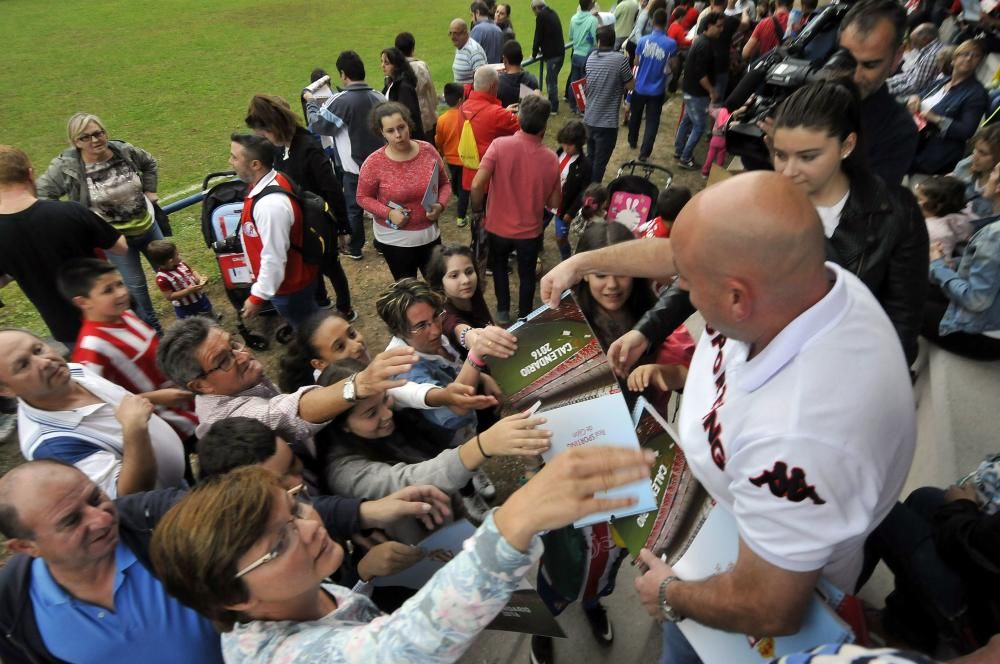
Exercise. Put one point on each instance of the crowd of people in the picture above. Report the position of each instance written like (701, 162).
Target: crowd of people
(176, 502)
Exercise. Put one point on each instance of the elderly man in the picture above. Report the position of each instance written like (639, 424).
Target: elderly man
(524, 175)
(68, 413)
(81, 588)
(469, 55)
(772, 425)
(485, 32)
(926, 45)
(550, 45)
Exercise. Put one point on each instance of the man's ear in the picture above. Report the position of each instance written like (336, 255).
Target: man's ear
(25, 546)
(740, 302)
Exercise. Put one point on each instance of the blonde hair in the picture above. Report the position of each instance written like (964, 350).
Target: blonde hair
(15, 167)
(78, 122)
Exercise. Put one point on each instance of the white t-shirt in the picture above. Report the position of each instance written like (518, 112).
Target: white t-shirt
(827, 405)
(830, 216)
(928, 104)
(90, 437)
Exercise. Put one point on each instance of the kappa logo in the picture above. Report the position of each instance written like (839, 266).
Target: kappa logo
(783, 484)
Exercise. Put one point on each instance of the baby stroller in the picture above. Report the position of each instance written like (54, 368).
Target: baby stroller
(220, 221)
(631, 197)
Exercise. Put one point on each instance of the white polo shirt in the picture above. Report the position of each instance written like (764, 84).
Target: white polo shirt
(90, 437)
(809, 443)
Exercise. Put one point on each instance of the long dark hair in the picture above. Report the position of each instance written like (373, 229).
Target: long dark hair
(296, 368)
(414, 439)
(401, 66)
(437, 265)
(833, 106)
(597, 236)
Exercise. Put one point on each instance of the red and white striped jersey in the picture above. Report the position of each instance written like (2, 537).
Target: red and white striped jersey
(125, 353)
(179, 278)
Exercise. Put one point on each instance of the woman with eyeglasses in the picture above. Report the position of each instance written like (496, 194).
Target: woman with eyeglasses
(405, 186)
(235, 550)
(116, 180)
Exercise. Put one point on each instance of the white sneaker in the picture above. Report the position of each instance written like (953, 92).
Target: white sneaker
(483, 486)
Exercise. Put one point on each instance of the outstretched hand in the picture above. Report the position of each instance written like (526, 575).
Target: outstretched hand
(563, 490)
(379, 375)
(562, 276)
(427, 503)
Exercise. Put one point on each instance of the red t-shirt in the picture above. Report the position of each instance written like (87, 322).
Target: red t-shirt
(766, 35)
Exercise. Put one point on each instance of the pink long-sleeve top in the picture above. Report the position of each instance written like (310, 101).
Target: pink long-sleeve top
(404, 182)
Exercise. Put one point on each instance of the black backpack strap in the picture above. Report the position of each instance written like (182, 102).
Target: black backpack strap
(277, 189)
(778, 30)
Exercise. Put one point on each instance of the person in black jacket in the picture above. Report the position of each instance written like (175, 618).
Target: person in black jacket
(69, 538)
(575, 172)
(873, 229)
(550, 45)
(301, 157)
(401, 86)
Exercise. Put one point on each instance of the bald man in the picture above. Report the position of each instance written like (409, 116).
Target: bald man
(922, 68)
(797, 414)
(469, 55)
(81, 587)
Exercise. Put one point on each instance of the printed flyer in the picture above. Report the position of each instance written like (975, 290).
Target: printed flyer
(559, 365)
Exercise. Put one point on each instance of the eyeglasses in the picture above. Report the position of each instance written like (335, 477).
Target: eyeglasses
(425, 325)
(288, 532)
(87, 138)
(228, 360)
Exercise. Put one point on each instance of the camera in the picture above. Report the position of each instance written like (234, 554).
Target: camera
(230, 245)
(810, 56)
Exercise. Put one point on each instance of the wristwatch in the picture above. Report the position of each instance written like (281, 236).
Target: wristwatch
(668, 612)
(350, 394)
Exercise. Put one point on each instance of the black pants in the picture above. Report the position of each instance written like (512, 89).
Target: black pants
(405, 261)
(334, 271)
(456, 187)
(527, 255)
(972, 346)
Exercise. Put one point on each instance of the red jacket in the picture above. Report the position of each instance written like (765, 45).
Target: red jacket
(297, 273)
(489, 120)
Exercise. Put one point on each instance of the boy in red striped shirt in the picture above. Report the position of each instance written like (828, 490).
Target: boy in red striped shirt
(179, 283)
(117, 345)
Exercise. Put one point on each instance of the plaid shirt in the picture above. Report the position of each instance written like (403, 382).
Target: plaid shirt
(913, 80)
(262, 402)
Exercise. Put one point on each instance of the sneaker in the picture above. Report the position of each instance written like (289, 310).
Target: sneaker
(324, 304)
(503, 318)
(689, 164)
(461, 222)
(351, 315)
(677, 156)
(483, 486)
(541, 650)
(354, 256)
(597, 617)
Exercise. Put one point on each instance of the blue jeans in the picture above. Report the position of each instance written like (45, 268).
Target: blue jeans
(692, 126)
(652, 104)
(355, 215)
(577, 71)
(550, 79)
(133, 276)
(298, 306)
(676, 648)
(600, 144)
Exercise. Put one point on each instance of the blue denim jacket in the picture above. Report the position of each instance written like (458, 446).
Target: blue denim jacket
(973, 288)
(436, 370)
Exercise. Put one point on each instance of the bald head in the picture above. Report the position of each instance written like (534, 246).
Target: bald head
(923, 34)
(458, 32)
(21, 484)
(485, 79)
(757, 232)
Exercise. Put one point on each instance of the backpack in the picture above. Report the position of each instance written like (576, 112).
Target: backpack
(318, 225)
(468, 149)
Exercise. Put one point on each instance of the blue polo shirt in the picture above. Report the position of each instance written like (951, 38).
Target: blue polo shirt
(147, 625)
(653, 52)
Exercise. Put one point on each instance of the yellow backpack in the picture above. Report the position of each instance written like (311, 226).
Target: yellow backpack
(468, 149)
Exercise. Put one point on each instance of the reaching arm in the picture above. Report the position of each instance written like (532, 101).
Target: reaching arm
(321, 405)
(138, 469)
(478, 191)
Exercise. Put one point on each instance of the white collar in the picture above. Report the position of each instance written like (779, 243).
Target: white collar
(67, 418)
(263, 182)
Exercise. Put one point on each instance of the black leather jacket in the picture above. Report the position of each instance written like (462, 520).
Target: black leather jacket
(881, 238)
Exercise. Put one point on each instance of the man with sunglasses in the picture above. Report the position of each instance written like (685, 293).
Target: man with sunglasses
(70, 414)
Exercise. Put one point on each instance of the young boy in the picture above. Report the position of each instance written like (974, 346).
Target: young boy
(446, 137)
(179, 283)
(117, 345)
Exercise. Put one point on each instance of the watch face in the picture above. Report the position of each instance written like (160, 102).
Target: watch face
(349, 390)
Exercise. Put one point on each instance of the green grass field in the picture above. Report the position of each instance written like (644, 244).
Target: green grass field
(175, 76)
